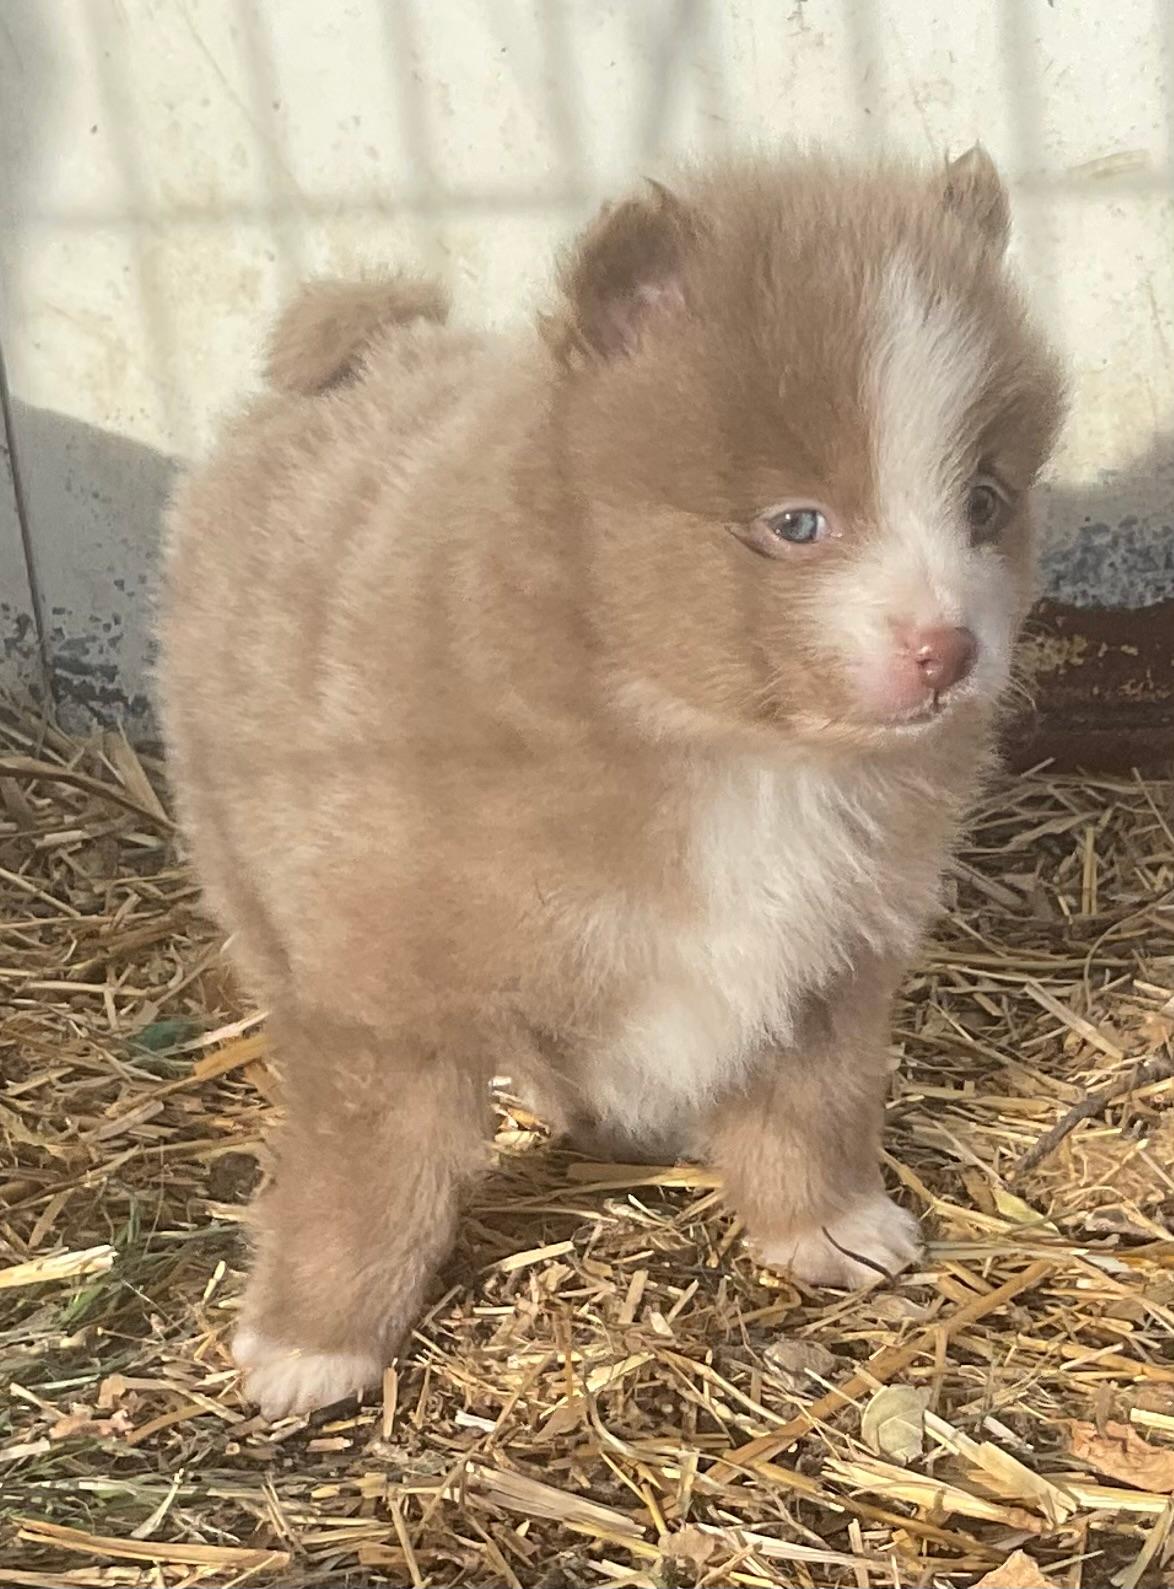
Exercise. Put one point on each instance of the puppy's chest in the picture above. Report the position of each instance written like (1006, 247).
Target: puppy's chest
(789, 882)
(793, 880)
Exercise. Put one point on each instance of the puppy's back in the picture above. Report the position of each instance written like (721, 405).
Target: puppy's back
(307, 519)
(365, 379)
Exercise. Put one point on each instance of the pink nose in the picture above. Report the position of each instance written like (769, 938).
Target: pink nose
(944, 655)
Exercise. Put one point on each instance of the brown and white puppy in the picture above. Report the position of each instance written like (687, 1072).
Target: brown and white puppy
(598, 705)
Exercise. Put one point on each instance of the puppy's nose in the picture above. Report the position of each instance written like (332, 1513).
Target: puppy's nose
(944, 655)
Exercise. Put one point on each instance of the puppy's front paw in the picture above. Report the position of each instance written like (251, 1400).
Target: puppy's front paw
(284, 1379)
(874, 1239)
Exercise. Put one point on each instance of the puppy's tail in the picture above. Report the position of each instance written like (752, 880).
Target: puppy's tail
(322, 336)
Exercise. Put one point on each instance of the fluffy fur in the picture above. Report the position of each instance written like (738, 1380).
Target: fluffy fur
(512, 733)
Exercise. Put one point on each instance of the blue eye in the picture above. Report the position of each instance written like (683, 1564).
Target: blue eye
(800, 526)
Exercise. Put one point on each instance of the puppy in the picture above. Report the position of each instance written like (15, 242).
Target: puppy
(599, 704)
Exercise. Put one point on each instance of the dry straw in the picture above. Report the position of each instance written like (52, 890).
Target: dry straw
(608, 1390)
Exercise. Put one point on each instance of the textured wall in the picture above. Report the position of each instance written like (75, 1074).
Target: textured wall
(173, 166)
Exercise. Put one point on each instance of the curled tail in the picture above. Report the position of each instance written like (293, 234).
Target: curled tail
(322, 336)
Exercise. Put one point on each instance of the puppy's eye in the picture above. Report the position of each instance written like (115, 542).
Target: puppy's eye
(780, 531)
(799, 526)
(987, 511)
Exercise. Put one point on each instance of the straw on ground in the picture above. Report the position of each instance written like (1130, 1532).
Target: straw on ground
(608, 1390)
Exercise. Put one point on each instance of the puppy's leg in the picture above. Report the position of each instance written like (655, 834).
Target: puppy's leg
(377, 1142)
(799, 1147)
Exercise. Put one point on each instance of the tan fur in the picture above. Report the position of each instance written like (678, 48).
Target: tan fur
(332, 325)
(500, 746)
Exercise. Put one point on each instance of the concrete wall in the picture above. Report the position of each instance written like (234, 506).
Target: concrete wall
(172, 167)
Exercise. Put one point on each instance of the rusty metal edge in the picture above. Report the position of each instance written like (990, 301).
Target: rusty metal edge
(1103, 687)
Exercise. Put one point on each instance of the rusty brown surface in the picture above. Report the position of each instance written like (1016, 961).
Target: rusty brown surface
(1103, 682)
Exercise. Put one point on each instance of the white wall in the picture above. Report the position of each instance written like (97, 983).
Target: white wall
(172, 167)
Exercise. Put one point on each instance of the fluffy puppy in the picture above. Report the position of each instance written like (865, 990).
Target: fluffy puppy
(599, 704)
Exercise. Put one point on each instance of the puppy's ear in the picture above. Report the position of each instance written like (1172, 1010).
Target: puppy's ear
(623, 275)
(974, 191)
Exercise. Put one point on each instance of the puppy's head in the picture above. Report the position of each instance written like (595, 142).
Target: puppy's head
(802, 410)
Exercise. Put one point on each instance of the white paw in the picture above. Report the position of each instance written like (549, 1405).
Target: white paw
(870, 1241)
(285, 1379)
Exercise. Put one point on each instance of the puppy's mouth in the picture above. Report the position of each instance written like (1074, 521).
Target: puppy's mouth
(919, 717)
(936, 709)
(880, 730)
(854, 726)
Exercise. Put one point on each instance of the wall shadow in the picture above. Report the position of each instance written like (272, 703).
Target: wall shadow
(94, 586)
(1112, 544)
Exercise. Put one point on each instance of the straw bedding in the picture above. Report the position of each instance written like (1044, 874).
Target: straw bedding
(608, 1390)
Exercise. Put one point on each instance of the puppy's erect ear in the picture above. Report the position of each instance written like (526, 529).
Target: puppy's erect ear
(974, 191)
(622, 275)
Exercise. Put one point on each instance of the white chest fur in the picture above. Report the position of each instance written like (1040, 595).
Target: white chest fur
(795, 873)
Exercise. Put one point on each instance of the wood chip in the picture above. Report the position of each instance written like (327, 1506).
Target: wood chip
(1119, 1452)
(1019, 1571)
